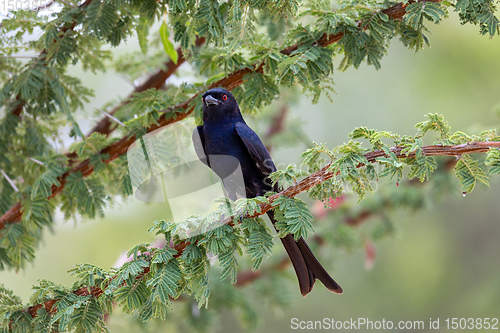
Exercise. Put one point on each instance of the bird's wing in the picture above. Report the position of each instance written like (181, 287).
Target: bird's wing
(256, 149)
(199, 144)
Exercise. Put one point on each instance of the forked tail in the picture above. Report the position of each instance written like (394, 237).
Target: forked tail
(306, 266)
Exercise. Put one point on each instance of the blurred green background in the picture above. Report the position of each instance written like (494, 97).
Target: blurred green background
(442, 262)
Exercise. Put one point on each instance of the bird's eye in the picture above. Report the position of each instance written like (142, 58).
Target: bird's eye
(224, 97)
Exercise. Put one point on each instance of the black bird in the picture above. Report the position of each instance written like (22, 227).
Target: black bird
(225, 141)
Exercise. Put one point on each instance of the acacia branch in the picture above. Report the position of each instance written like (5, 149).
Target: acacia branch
(395, 12)
(325, 173)
(179, 112)
(432, 150)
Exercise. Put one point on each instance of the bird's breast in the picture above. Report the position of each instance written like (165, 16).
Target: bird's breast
(220, 139)
(223, 140)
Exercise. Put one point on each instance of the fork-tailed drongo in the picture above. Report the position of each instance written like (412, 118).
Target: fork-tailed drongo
(226, 141)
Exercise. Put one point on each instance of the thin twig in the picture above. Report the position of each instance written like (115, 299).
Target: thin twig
(10, 181)
(42, 7)
(36, 161)
(278, 124)
(116, 120)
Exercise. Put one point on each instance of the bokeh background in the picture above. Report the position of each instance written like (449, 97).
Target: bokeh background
(442, 262)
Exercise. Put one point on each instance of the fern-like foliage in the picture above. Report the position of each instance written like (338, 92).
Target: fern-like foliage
(293, 217)
(469, 172)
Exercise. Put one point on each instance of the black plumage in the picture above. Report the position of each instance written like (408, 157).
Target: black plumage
(226, 143)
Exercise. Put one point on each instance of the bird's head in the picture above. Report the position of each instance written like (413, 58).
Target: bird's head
(219, 103)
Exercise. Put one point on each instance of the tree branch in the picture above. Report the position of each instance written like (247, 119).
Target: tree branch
(324, 173)
(13, 215)
(395, 12)
(278, 124)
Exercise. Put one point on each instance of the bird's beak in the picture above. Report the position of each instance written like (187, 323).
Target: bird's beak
(209, 100)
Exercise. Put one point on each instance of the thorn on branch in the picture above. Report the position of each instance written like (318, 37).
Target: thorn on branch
(36, 161)
(116, 120)
(9, 180)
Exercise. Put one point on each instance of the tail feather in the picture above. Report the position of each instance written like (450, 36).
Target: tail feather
(306, 280)
(305, 264)
(317, 269)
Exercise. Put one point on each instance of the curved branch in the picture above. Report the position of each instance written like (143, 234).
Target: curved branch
(433, 150)
(395, 12)
(324, 173)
